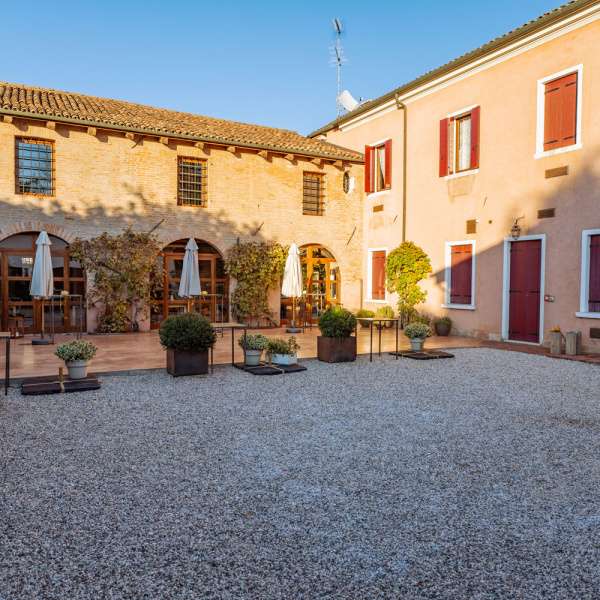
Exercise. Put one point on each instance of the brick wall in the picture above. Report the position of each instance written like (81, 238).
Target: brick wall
(107, 182)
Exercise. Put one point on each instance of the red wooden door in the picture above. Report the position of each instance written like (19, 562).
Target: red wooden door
(524, 292)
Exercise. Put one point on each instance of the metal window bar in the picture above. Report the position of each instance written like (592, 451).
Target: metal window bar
(191, 182)
(313, 200)
(35, 167)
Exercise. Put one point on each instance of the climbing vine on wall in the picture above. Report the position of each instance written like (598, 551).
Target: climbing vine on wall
(126, 276)
(404, 268)
(257, 267)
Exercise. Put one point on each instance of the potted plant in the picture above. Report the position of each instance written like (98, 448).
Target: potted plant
(385, 312)
(284, 352)
(416, 332)
(256, 343)
(365, 314)
(187, 338)
(442, 325)
(336, 342)
(77, 355)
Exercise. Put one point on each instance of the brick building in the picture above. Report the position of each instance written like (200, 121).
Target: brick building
(76, 165)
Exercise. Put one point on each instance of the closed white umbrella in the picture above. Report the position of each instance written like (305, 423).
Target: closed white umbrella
(189, 284)
(42, 279)
(292, 281)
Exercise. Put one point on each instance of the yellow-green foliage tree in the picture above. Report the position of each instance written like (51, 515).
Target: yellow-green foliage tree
(404, 268)
(257, 266)
(126, 275)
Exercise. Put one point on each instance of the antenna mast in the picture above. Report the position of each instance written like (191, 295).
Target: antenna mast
(337, 56)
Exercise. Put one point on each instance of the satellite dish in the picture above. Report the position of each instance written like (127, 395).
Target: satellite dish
(348, 102)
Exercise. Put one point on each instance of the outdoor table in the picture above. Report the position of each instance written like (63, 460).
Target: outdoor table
(372, 320)
(233, 327)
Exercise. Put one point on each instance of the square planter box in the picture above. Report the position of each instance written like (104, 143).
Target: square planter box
(284, 359)
(187, 362)
(334, 350)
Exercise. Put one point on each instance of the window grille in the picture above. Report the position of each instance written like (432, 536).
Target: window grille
(192, 182)
(313, 201)
(35, 167)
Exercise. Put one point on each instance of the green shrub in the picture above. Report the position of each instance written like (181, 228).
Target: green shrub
(417, 330)
(76, 350)
(423, 318)
(442, 321)
(254, 341)
(187, 331)
(281, 346)
(385, 312)
(337, 322)
(367, 314)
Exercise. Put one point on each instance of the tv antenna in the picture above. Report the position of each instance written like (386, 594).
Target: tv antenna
(337, 56)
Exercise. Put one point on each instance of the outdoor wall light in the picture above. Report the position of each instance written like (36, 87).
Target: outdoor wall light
(515, 230)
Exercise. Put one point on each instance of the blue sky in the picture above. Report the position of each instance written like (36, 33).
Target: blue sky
(263, 62)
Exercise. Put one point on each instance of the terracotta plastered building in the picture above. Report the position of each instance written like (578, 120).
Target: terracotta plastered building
(490, 163)
(76, 165)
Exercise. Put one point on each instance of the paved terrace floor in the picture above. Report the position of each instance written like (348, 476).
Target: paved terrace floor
(141, 351)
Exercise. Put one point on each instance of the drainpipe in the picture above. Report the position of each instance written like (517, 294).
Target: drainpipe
(403, 107)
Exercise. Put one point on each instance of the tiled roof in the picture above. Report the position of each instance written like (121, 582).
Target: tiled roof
(477, 53)
(116, 114)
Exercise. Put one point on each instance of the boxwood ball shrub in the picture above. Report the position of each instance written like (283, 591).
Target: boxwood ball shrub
(337, 322)
(76, 350)
(254, 341)
(416, 330)
(365, 314)
(187, 331)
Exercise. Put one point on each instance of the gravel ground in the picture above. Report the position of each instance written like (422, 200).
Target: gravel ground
(473, 478)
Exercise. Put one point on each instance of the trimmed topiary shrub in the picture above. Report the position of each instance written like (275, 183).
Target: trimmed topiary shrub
(337, 322)
(416, 330)
(254, 341)
(187, 331)
(76, 350)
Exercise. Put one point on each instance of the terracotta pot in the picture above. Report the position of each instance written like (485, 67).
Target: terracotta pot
(187, 362)
(333, 350)
(442, 328)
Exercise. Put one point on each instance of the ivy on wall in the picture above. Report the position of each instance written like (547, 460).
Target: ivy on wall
(257, 266)
(126, 275)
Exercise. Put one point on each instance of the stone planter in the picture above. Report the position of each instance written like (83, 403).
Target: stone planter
(284, 359)
(187, 362)
(77, 368)
(333, 350)
(442, 328)
(416, 344)
(253, 358)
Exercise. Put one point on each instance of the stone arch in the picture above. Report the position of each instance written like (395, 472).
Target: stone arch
(30, 226)
(198, 234)
(348, 273)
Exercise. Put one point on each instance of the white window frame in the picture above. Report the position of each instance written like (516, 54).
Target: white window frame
(585, 276)
(370, 277)
(448, 276)
(375, 145)
(506, 286)
(456, 115)
(541, 107)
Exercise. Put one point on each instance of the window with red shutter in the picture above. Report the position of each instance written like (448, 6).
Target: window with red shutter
(459, 142)
(461, 274)
(594, 285)
(560, 112)
(378, 167)
(378, 275)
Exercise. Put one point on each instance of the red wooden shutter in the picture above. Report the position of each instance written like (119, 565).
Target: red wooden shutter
(378, 278)
(560, 112)
(475, 138)
(594, 287)
(388, 165)
(443, 147)
(369, 163)
(461, 261)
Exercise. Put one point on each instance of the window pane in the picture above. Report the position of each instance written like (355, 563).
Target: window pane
(204, 267)
(35, 167)
(20, 266)
(58, 269)
(192, 182)
(175, 267)
(18, 291)
(380, 168)
(464, 144)
(18, 241)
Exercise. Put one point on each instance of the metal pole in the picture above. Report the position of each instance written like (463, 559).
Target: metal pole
(7, 367)
(380, 327)
(371, 346)
(396, 339)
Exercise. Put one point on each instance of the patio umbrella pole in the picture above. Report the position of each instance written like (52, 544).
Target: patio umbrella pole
(293, 329)
(42, 341)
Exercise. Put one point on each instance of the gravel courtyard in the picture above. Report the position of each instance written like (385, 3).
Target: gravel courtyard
(472, 478)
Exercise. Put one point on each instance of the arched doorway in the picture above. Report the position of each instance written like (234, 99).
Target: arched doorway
(322, 284)
(214, 284)
(17, 307)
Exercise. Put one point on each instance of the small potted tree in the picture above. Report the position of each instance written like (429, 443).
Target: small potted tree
(416, 332)
(256, 344)
(336, 342)
(284, 352)
(187, 338)
(442, 325)
(77, 355)
(365, 314)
